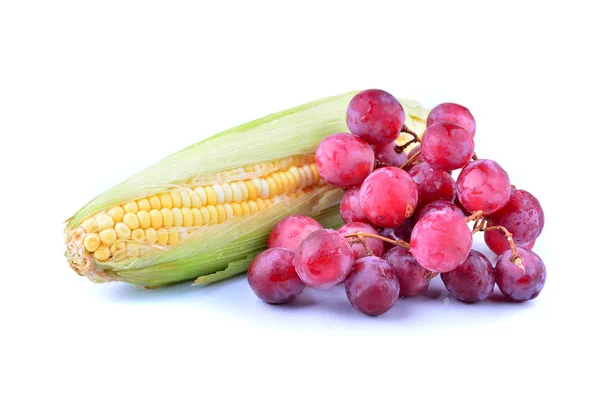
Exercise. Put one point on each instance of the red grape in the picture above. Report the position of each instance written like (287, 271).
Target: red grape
(323, 259)
(350, 207)
(344, 160)
(419, 158)
(291, 230)
(518, 284)
(483, 185)
(273, 278)
(441, 241)
(432, 184)
(400, 232)
(447, 146)
(454, 113)
(438, 205)
(498, 243)
(375, 116)
(372, 288)
(471, 281)
(388, 196)
(387, 153)
(375, 245)
(522, 216)
(411, 275)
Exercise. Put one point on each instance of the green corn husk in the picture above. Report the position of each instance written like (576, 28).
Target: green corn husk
(219, 251)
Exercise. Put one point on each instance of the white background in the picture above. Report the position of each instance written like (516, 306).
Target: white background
(91, 92)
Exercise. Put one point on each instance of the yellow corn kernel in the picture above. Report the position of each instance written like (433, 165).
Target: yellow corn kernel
(205, 215)
(237, 209)
(268, 203)
(296, 176)
(258, 186)
(211, 196)
(245, 207)
(162, 237)
(309, 175)
(244, 189)
(264, 189)
(273, 188)
(277, 180)
(108, 236)
(131, 220)
(292, 181)
(228, 192)
(197, 215)
(185, 199)
(285, 184)
(138, 234)
(103, 221)
(228, 210)
(251, 189)
(123, 231)
(222, 213)
(177, 217)
(236, 192)
(144, 204)
(195, 199)
(131, 207)
(91, 242)
(261, 204)
(144, 219)
(253, 207)
(176, 197)
(303, 178)
(173, 238)
(220, 193)
(156, 219)
(167, 217)
(202, 194)
(118, 248)
(188, 217)
(166, 200)
(116, 213)
(102, 253)
(88, 225)
(150, 235)
(214, 214)
(315, 172)
(154, 201)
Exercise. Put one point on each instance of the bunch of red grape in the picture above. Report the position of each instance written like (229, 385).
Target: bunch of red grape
(407, 219)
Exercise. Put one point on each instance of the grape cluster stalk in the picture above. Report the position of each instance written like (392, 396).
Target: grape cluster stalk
(407, 219)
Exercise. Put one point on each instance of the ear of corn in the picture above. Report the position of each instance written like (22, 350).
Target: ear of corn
(206, 211)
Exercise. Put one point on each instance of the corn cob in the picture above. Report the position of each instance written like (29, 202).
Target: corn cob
(205, 212)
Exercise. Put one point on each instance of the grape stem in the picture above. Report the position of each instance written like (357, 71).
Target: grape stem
(362, 235)
(400, 148)
(361, 240)
(416, 137)
(476, 216)
(429, 275)
(411, 159)
(479, 226)
(380, 164)
(516, 258)
(475, 158)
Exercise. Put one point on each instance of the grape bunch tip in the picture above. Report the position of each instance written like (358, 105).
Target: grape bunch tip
(406, 218)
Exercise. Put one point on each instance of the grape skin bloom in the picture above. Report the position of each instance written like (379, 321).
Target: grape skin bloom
(388, 197)
(273, 278)
(323, 259)
(441, 241)
(483, 185)
(344, 160)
